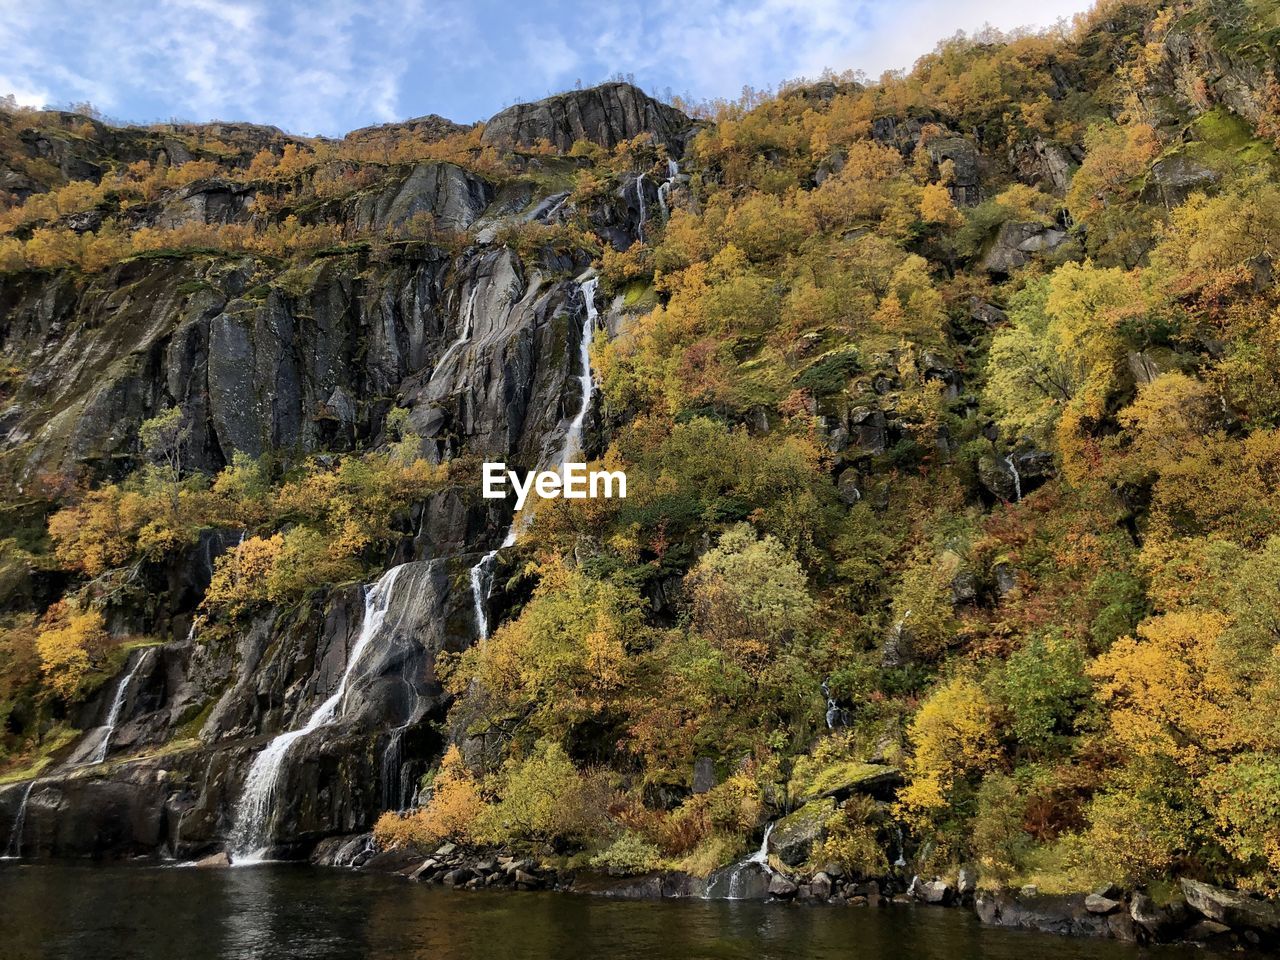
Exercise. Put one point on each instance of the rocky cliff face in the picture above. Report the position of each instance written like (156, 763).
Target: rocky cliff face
(607, 115)
(477, 341)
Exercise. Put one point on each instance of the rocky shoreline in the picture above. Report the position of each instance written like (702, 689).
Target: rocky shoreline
(1200, 913)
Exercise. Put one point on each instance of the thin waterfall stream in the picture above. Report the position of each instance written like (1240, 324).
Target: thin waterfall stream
(117, 705)
(481, 574)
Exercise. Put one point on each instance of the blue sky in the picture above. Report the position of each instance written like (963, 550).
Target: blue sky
(328, 67)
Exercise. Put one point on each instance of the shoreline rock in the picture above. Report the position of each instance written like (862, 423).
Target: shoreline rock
(1207, 914)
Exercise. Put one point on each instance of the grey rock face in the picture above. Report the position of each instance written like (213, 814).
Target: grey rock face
(1175, 178)
(453, 197)
(1041, 162)
(1017, 242)
(607, 115)
(965, 185)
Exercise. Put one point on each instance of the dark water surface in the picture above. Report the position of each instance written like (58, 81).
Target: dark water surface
(157, 913)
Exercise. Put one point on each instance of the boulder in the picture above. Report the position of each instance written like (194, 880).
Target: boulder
(867, 430)
(1095, 903)
(1231, 907)
(820, 886)
(1176, 177)
(933, 891)
(781, 886)
(1016, 242)
(1156, 922)
(215, 860)
(793, 836)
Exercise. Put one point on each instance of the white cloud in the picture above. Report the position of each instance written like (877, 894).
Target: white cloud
(306, 66)
(326, 65)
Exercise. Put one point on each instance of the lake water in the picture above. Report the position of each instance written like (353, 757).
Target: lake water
(49, 912)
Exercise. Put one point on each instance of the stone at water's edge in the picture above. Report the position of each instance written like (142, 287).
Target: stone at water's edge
(793, 837)
(215, 860)
(1235, 909)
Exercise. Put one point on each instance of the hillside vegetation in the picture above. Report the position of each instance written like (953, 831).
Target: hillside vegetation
(950, 410)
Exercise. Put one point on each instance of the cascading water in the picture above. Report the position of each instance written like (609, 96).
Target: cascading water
(14, 848)
(255, 814)
(464, 334)
(573, 436)
(834, 715)
(664, 189)
(640, 200)
(117, 705)
(397, 781)
(735, 880)
(1017, 478)
(482, 572)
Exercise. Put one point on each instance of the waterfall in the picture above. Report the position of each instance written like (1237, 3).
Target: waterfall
(664, 189)
(640, 198)
(394, 770)
(735, 882)
(14, 850)
(1017, 478)
(834, 713)
(464, 334)
(255, 813)
(482, 573)
(762, 855)
(902, 860)
(117, 704)
(573, 436)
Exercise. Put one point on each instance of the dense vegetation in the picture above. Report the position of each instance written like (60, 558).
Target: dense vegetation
(1074, 668)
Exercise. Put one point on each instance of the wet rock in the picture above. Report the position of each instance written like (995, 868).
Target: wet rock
(215, 860)
(847, 487)
(1154, 921)
(820, 886)
(1207, 930)
(937, 892)
(782, 887)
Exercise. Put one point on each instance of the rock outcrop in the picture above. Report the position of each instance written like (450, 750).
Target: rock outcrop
(607, 115)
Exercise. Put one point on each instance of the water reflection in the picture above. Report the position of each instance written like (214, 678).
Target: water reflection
(277, 911)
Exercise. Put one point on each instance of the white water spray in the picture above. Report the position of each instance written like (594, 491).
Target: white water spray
(464, 335)
(14, 849)
(482, 573)
(117, 704)
(1017, 478)
(664, 189)
(256, 811)
(640, 200)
